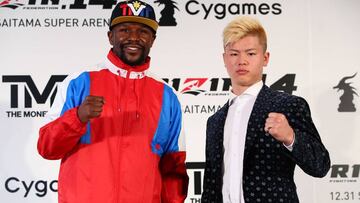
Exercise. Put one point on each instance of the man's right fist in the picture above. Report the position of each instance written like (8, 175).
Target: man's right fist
(90, 108)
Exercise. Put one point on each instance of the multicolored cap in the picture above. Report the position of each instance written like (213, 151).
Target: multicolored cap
(134, 11)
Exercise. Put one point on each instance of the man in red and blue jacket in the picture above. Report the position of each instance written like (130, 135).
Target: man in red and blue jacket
(118, 131)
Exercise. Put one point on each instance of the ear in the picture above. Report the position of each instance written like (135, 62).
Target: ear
(110, 37)
(223, 55)
(153, 39)
(266, 58)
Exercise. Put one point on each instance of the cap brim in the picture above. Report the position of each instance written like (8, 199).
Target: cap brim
(121, 19)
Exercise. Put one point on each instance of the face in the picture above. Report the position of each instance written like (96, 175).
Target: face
(244, 61)
(131, 42)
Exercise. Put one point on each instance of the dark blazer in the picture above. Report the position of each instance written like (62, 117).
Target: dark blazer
(268, 173)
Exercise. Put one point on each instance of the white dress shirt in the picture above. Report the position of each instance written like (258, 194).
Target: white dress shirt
(240, 107)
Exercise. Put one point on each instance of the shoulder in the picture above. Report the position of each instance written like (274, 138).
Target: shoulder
(156, 81)
(281, 100)
(84, 74)
(275, 96)
(76, 79)
(221, 113)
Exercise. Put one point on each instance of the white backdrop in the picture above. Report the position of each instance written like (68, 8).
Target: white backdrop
(312, 44)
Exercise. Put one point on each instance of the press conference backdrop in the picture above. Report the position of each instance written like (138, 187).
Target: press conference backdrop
(315, 51)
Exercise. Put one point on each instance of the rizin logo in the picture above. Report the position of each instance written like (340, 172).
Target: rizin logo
(10, 4)
(346, 99)
(193, 85)
(345, 173)
(221, 86)
(167, 14)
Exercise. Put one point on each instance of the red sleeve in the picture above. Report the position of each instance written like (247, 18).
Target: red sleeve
(174, 178)
(60, 136)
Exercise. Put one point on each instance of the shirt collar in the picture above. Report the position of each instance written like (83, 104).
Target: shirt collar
(253, 90)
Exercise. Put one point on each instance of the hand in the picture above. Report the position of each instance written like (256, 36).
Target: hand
(277, 126)
(90, 108)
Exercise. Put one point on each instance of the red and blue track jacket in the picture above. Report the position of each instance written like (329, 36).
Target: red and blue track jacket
(133, 153)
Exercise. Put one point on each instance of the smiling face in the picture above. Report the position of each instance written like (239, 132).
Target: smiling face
(131, 42)
(244, 61)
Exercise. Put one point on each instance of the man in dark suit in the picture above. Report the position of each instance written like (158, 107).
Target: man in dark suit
(255, 140)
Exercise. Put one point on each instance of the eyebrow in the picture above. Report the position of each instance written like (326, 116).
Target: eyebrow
(246, 50)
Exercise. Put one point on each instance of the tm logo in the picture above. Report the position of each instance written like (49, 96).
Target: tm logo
(195, 171)
(30, 90)
(221, 86)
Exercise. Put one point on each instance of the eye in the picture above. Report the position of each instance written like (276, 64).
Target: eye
(123, 30)
(233, 54)
(251, 53)
(145, 32)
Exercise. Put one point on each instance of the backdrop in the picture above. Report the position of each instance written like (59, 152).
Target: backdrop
(314, 52)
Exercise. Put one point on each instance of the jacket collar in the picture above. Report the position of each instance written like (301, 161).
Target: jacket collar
(118, 67)
(253, 90)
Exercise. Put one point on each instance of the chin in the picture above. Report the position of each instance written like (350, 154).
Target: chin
(130, 63)
(133, 61)
(245, 83)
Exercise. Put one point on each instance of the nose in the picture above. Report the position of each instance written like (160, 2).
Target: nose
(242, 60)
(134, 35)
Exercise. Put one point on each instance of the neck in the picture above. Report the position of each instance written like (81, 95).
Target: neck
(239, 89)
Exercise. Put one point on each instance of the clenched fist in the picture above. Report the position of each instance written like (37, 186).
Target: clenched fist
(91, 107)
(277, 126)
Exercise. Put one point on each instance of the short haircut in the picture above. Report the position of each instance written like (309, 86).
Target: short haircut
(241, 27)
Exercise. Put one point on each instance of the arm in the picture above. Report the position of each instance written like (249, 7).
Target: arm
(174, 178)
(308, 150)
(208, 172)
(60, 136)
(172, 165)
(214, 168)
(64, 129)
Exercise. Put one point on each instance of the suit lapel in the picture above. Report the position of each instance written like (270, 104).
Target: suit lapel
(257, 119)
